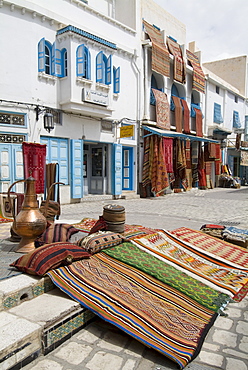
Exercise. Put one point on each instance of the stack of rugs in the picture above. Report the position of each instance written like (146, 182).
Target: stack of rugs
(163, 288)
(229, 233)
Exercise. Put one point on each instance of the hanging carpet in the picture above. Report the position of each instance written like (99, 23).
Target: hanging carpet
(198, 74)
(179, 65)
(178, 113)
(34, 159)
(162, 109)
(160, 54)
(159, 176)
(186, 117)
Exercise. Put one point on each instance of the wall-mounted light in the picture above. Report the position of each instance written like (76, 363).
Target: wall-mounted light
(47, 118)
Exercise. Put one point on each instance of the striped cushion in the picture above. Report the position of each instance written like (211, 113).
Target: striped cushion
(56, 233)
(48, 257)
(96, 242)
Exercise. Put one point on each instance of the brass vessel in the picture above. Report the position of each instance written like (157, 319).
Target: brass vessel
(29, 223)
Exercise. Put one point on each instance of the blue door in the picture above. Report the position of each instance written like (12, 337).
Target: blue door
(76, 168)
(117, 169)
(127, 168)
(11, 166)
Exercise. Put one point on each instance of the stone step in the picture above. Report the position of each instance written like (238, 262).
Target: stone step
(35, 327)
(129, 195)
(20, 288)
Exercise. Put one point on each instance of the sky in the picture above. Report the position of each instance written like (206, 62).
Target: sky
(219, 27)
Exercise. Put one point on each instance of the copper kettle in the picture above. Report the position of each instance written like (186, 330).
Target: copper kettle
(29, 223)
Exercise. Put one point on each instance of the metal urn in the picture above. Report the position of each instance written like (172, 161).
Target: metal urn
(29, 223)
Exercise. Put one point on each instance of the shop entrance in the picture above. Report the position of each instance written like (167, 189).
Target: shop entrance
(98, 172)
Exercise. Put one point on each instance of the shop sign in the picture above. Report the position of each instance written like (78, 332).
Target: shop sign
(127, 131)
(95, 97)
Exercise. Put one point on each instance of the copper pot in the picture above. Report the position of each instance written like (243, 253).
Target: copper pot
(29, 223)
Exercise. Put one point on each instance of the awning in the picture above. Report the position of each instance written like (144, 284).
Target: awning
(179, 135)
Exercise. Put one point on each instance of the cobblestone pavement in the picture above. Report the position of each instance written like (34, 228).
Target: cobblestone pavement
(101, 346)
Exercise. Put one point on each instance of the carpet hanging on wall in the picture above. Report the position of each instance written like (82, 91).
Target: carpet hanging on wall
(198, 75)
(178, 113)
(179, 65)
(34, 159)
(160, 54)
(162, 109)
(186, 116)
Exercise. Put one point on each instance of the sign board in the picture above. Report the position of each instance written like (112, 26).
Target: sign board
(95, 97)
(127, 131)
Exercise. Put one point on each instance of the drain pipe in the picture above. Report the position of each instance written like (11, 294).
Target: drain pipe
(138, 73)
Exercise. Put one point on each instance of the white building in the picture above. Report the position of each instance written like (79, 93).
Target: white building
(226, 111)
(77, 60)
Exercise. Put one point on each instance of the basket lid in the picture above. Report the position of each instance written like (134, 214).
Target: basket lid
(114, 208)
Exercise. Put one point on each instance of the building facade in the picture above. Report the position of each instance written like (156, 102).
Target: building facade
(75, 60)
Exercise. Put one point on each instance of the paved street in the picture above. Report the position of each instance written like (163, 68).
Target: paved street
(190, 209)
(101, 346)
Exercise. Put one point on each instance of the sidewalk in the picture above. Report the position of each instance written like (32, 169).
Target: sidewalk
(99, 345)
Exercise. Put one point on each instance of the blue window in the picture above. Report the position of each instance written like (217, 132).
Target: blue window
(236, 120)
(51, 60)
(116, 75)
(83, 62)
(103, 68)
(217, 113)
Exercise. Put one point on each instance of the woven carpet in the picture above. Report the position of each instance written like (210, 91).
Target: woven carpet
(221, 276)
(214, 247)
(179, 65)
(178, 113)
(162, 109)
(160, 54)
(145, 308)
(34, 159)
(198, 75)
(186, 117)
(130, 231)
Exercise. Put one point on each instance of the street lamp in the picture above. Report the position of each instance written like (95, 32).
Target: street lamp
(47, 118)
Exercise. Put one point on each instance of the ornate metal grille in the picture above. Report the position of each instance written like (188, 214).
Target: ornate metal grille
(12, 119)
(8, 138)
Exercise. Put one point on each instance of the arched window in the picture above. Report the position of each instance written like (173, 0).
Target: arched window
(51, 60)
(103, 68)
(83, 62)
(154, 85)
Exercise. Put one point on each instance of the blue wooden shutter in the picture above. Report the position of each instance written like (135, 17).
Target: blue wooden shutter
(41, 55)
(108, 70)
(217, 113)
(76, 168)
(236, 120)
(88, 66)
(117, 169)
(80, 60)
(117, 80)
(56, 61)
(99, 67)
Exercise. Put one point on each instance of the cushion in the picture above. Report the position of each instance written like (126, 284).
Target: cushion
(56, 233)
(48, 257)
(101, 240)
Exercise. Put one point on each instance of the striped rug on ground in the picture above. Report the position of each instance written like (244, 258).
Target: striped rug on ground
(145, 308)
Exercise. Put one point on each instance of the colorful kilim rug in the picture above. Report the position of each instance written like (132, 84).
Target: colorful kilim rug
(198, 122)
(131, 254)
(138, 304)
(214, 247)
(179, 65)
(130, 232)
(34, 159)
(198, 75)
(216, 274)
(160, 54)
(162, 110)
(186, 116)
(159, 178)
(178, 113)
(146, 162)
